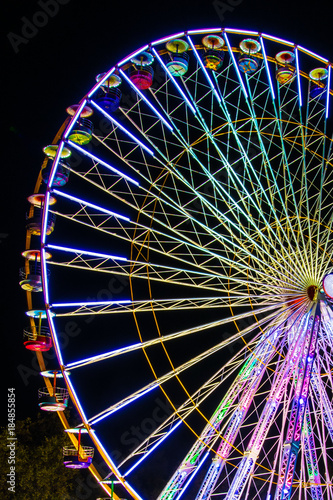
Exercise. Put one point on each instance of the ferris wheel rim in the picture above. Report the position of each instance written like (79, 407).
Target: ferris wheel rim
(64, 142)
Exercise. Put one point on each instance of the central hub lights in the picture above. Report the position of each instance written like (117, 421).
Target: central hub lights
(312, 291)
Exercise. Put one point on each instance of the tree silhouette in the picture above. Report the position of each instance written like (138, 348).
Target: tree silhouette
(39, 471)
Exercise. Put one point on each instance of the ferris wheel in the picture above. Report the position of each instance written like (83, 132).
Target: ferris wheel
(185, 217)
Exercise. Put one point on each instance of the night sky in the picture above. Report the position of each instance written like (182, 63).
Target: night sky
(51, 66)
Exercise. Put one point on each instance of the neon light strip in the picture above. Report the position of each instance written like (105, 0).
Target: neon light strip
(174, 82)
(106, 355)
(267, 68)
(166, 39)
(175, 300)
(128, 58)
(68, 382)
(74, 118)
(93, 303)
(98, 160)
(241, 32)
(328, 90)
(113, 467)
(153, 448)
(54, 166)
(236, 65)
(44, 219)
(212, 86)
(44, 223)
(197, 32)
(97, 477)
(146, 344)
(109, 481)
(54, 337)
(100, 83)
(188, 482)
(91, 205)
(86, 252)
(275, 39)
(313, 54)
(44, 276)
(298, 78)
(129, 488)
(125, 403)
(135, 139)
(45, 210)
(144, 98)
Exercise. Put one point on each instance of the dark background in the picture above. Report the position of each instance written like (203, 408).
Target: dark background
(51, 66)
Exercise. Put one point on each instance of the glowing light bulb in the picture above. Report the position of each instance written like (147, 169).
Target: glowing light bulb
(328, 285)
